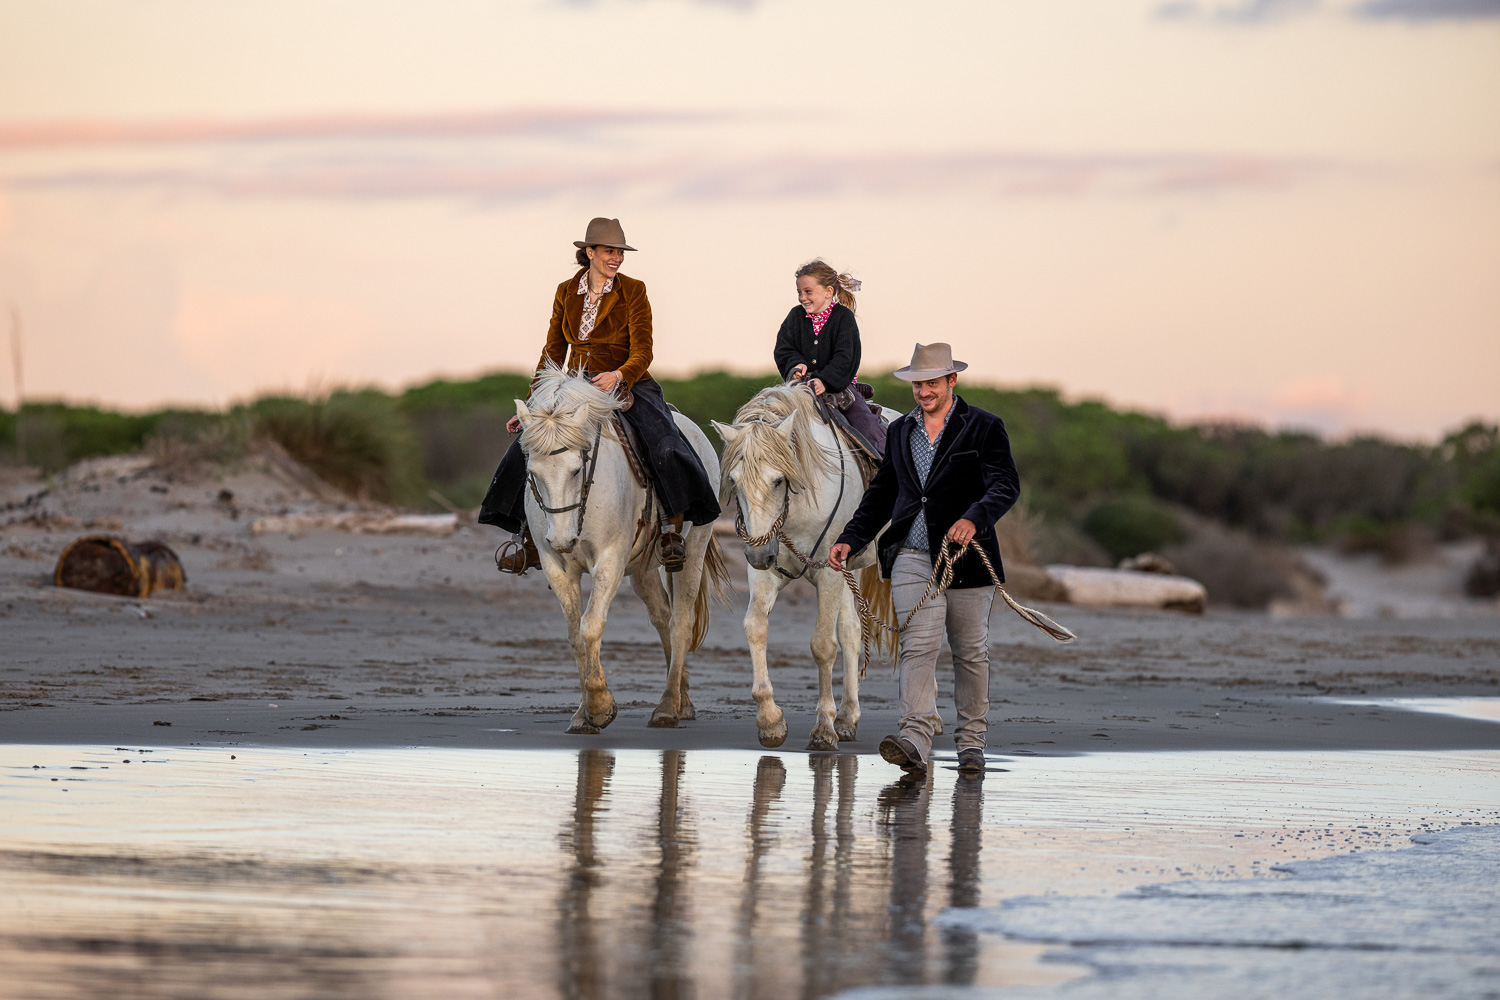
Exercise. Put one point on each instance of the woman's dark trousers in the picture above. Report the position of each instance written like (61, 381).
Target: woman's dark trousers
(678, 477)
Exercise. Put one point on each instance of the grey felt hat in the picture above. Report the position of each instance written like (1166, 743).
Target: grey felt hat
(929, 361)
(604, 233)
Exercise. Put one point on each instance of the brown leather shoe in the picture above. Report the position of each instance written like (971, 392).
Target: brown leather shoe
(673, 551)
(518, 555)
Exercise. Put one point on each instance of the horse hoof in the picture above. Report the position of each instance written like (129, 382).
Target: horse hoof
(773, 737)
(822, 743)
(846, 734)
(688, 714)
(598, 722)
(583, 729)
(661, 720)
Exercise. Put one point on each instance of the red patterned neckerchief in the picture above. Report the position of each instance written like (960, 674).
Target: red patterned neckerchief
(818, 319)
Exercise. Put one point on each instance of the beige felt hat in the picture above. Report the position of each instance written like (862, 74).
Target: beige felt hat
(929, 361)
(604, 233)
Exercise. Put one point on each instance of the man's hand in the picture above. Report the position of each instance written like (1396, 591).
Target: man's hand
(608, 381)
(817, 387)
(512, 425)
(799, 371)
(838, 555)
(963, 531)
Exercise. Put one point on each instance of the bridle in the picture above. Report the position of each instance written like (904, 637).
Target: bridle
(590, 457)
(775, 530)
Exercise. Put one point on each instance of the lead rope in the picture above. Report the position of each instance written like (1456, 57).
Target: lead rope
(871, 625)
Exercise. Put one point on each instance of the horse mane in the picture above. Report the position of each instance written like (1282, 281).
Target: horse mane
(566, 409)
(797, 458)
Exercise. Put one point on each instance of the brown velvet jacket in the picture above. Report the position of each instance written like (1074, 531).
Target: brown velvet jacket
(621, 338)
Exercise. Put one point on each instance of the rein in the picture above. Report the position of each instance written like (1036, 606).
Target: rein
(943, 569)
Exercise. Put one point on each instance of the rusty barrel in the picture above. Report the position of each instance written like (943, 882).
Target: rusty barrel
(109, 565)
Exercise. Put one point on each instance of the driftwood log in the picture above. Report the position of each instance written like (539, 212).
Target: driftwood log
(109, 565)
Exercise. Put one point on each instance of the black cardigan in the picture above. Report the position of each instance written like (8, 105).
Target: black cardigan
(972, 476)
(833, 356)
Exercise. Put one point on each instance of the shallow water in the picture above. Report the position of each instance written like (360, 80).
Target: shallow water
(436, 872)
(1483, 709)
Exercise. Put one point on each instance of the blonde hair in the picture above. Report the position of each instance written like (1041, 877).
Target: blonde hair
(844, 285)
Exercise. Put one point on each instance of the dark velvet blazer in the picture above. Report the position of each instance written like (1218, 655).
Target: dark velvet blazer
(620, 340)
(832, 356)
(973, 476)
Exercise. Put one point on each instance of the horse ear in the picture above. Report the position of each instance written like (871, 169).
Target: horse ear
(523, 412)
(727, 431)
(788, 426)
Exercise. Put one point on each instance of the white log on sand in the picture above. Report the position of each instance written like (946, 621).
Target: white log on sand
(1123, 588)
(361, 522)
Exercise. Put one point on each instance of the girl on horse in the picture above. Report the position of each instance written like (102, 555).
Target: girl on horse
(819, 342)
(601, 325)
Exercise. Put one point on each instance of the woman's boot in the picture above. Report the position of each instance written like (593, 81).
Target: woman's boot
(672, 548)
(519, 554)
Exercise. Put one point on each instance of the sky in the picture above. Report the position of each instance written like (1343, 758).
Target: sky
(1279, 211)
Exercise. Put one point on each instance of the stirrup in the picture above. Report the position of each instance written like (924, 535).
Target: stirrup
(672, 548)
(518, 555)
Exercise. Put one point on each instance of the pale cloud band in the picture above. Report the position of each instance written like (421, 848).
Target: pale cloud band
(1257, 12)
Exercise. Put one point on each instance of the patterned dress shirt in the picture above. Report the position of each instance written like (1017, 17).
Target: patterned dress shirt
(922, 451)
(591, 309)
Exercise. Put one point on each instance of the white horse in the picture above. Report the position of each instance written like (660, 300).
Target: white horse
(783, 464)
(589, 514)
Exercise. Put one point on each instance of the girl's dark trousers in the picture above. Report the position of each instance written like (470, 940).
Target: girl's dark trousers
(677, 476)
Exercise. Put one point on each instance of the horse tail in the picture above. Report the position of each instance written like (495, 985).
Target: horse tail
(714, 584)
(877, 592)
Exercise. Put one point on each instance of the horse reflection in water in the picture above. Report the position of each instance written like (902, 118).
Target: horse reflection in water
(864, 890)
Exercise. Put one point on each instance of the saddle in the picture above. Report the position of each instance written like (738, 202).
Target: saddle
(635, 453)
(864, 452)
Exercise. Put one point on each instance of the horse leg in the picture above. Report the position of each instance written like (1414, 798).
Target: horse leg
(598, 706)
(851, 635)
(565, 584)
(769, 719)
(825, 647)
(683, 587)
(648, 587)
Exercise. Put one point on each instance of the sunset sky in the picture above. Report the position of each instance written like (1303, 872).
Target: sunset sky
(1286, 211)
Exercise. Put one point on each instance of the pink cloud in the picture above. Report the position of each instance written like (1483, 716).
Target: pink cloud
(458, 125)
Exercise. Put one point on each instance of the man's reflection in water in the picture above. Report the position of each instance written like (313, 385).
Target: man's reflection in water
(578, 952)
(903, 823)
(961, 945)
(770, 778)
(670, 932)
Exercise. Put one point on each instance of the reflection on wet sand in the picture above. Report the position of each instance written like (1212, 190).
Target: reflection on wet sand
(602, 874)
(961, 945)
(577, 935)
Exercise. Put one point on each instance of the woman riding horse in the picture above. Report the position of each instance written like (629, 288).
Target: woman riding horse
(601, 323)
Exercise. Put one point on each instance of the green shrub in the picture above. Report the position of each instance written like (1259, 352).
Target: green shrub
(355, 441)
(1130, 525)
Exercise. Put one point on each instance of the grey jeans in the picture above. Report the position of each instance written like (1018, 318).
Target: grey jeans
(965, 616)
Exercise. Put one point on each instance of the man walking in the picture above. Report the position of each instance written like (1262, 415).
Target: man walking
(947, 474)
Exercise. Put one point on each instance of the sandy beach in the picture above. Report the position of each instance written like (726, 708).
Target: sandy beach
(335, 638)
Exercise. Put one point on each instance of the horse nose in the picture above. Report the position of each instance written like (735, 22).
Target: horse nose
(762, 556)
(562, 545)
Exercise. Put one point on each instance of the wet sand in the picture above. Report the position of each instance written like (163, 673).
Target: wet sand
(276, 872)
